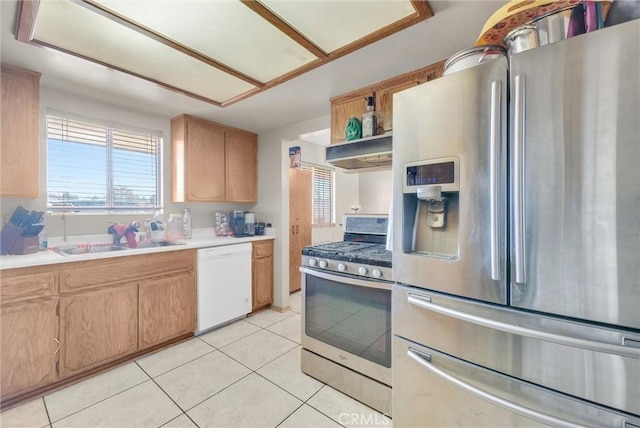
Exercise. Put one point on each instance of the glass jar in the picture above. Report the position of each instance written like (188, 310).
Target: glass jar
(174, 228)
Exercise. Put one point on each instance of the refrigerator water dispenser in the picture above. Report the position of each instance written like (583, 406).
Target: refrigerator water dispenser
(431, 189)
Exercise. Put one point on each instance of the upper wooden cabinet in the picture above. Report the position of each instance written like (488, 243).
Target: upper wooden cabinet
(212, 162)
(19, 138)
(354, 104)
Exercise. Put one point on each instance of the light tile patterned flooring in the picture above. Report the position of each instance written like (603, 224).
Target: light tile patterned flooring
(246, 374)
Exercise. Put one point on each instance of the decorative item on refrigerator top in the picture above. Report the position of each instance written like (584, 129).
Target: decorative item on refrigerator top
(369, 120)
(186, 224)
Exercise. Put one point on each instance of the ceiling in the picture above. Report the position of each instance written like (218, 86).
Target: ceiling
(454, 26)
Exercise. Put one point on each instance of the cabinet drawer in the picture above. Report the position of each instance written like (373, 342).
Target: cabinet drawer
(21, 287)
(262, 249)
(94, 273)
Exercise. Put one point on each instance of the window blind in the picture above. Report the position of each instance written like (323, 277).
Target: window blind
(93, 167)
(323, 194)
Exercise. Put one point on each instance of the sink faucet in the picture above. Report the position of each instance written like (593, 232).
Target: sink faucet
(126, 230)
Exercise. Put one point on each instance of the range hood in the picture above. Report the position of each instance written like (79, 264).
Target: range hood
(371, 153)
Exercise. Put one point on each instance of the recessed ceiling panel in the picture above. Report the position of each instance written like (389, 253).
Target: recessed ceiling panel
(334, 24)
(76, 29)
(226, 31)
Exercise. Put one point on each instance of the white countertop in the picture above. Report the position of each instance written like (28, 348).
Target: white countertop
(50, 257)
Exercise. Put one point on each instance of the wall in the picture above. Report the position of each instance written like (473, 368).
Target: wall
(375, 191)
(81, 224)
(346, 191)
(273, 192)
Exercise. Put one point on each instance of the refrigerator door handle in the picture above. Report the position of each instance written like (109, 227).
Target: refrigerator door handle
(494, 136)
(518, 177)
(609, 348)
(424, 360)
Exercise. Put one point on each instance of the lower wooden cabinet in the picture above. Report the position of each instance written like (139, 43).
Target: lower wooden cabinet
(262, 275)
(167, 309)
(28, 345)
(97, 327)
(62, 321)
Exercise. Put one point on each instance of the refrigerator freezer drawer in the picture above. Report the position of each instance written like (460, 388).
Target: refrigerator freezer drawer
(593, 363)
(434, 389)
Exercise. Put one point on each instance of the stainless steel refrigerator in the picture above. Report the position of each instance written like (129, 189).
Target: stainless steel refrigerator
(516, 249)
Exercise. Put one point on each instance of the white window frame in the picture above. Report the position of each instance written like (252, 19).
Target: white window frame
(313, 168)
(110, 127)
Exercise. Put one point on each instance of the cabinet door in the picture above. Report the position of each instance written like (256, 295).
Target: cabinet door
(167, 308)
(353, 104)
(384, 102)
(28, 351)
(19, 140)
(262, 290)
(205, 164)
(242, 167)
(299, 222)
(97, 327)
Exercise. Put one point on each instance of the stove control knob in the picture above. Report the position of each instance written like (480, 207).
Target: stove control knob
(342, 267)
(324, 264)
(377, 273)
(313, 262)
(362, 270)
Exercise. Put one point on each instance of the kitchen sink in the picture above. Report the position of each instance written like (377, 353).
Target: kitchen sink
(89, 249)
(150, 244)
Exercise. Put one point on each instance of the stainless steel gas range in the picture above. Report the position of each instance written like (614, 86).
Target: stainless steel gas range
(346, 311)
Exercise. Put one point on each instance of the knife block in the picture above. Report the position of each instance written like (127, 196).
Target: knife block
(8, 238)
(26, 245)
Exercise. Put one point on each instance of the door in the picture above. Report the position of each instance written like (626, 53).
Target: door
(435, 389)
(97, 327)
(28, 345)
(167, 308)
(457, 122)
(299, 222)
(576, 197)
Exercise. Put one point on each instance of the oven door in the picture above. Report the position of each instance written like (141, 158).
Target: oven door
(348, 321)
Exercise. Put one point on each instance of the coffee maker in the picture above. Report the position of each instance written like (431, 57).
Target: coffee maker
(249, 223)
(237, 222)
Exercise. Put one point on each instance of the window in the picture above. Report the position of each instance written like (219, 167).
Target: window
(93, 166)
(323, 191)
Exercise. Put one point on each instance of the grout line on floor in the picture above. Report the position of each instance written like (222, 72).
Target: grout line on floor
(44, 403)
(318, 410)
(167, 394)
(183, 413)
(213, 395)
(289, 415)
(99, 401)
(165, 372)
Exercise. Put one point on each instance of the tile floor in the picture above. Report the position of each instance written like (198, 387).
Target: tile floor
(246, 374)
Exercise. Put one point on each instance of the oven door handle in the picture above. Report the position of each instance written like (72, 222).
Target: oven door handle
(348, 280)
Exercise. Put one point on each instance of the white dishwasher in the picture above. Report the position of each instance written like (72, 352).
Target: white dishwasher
(224, 284)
